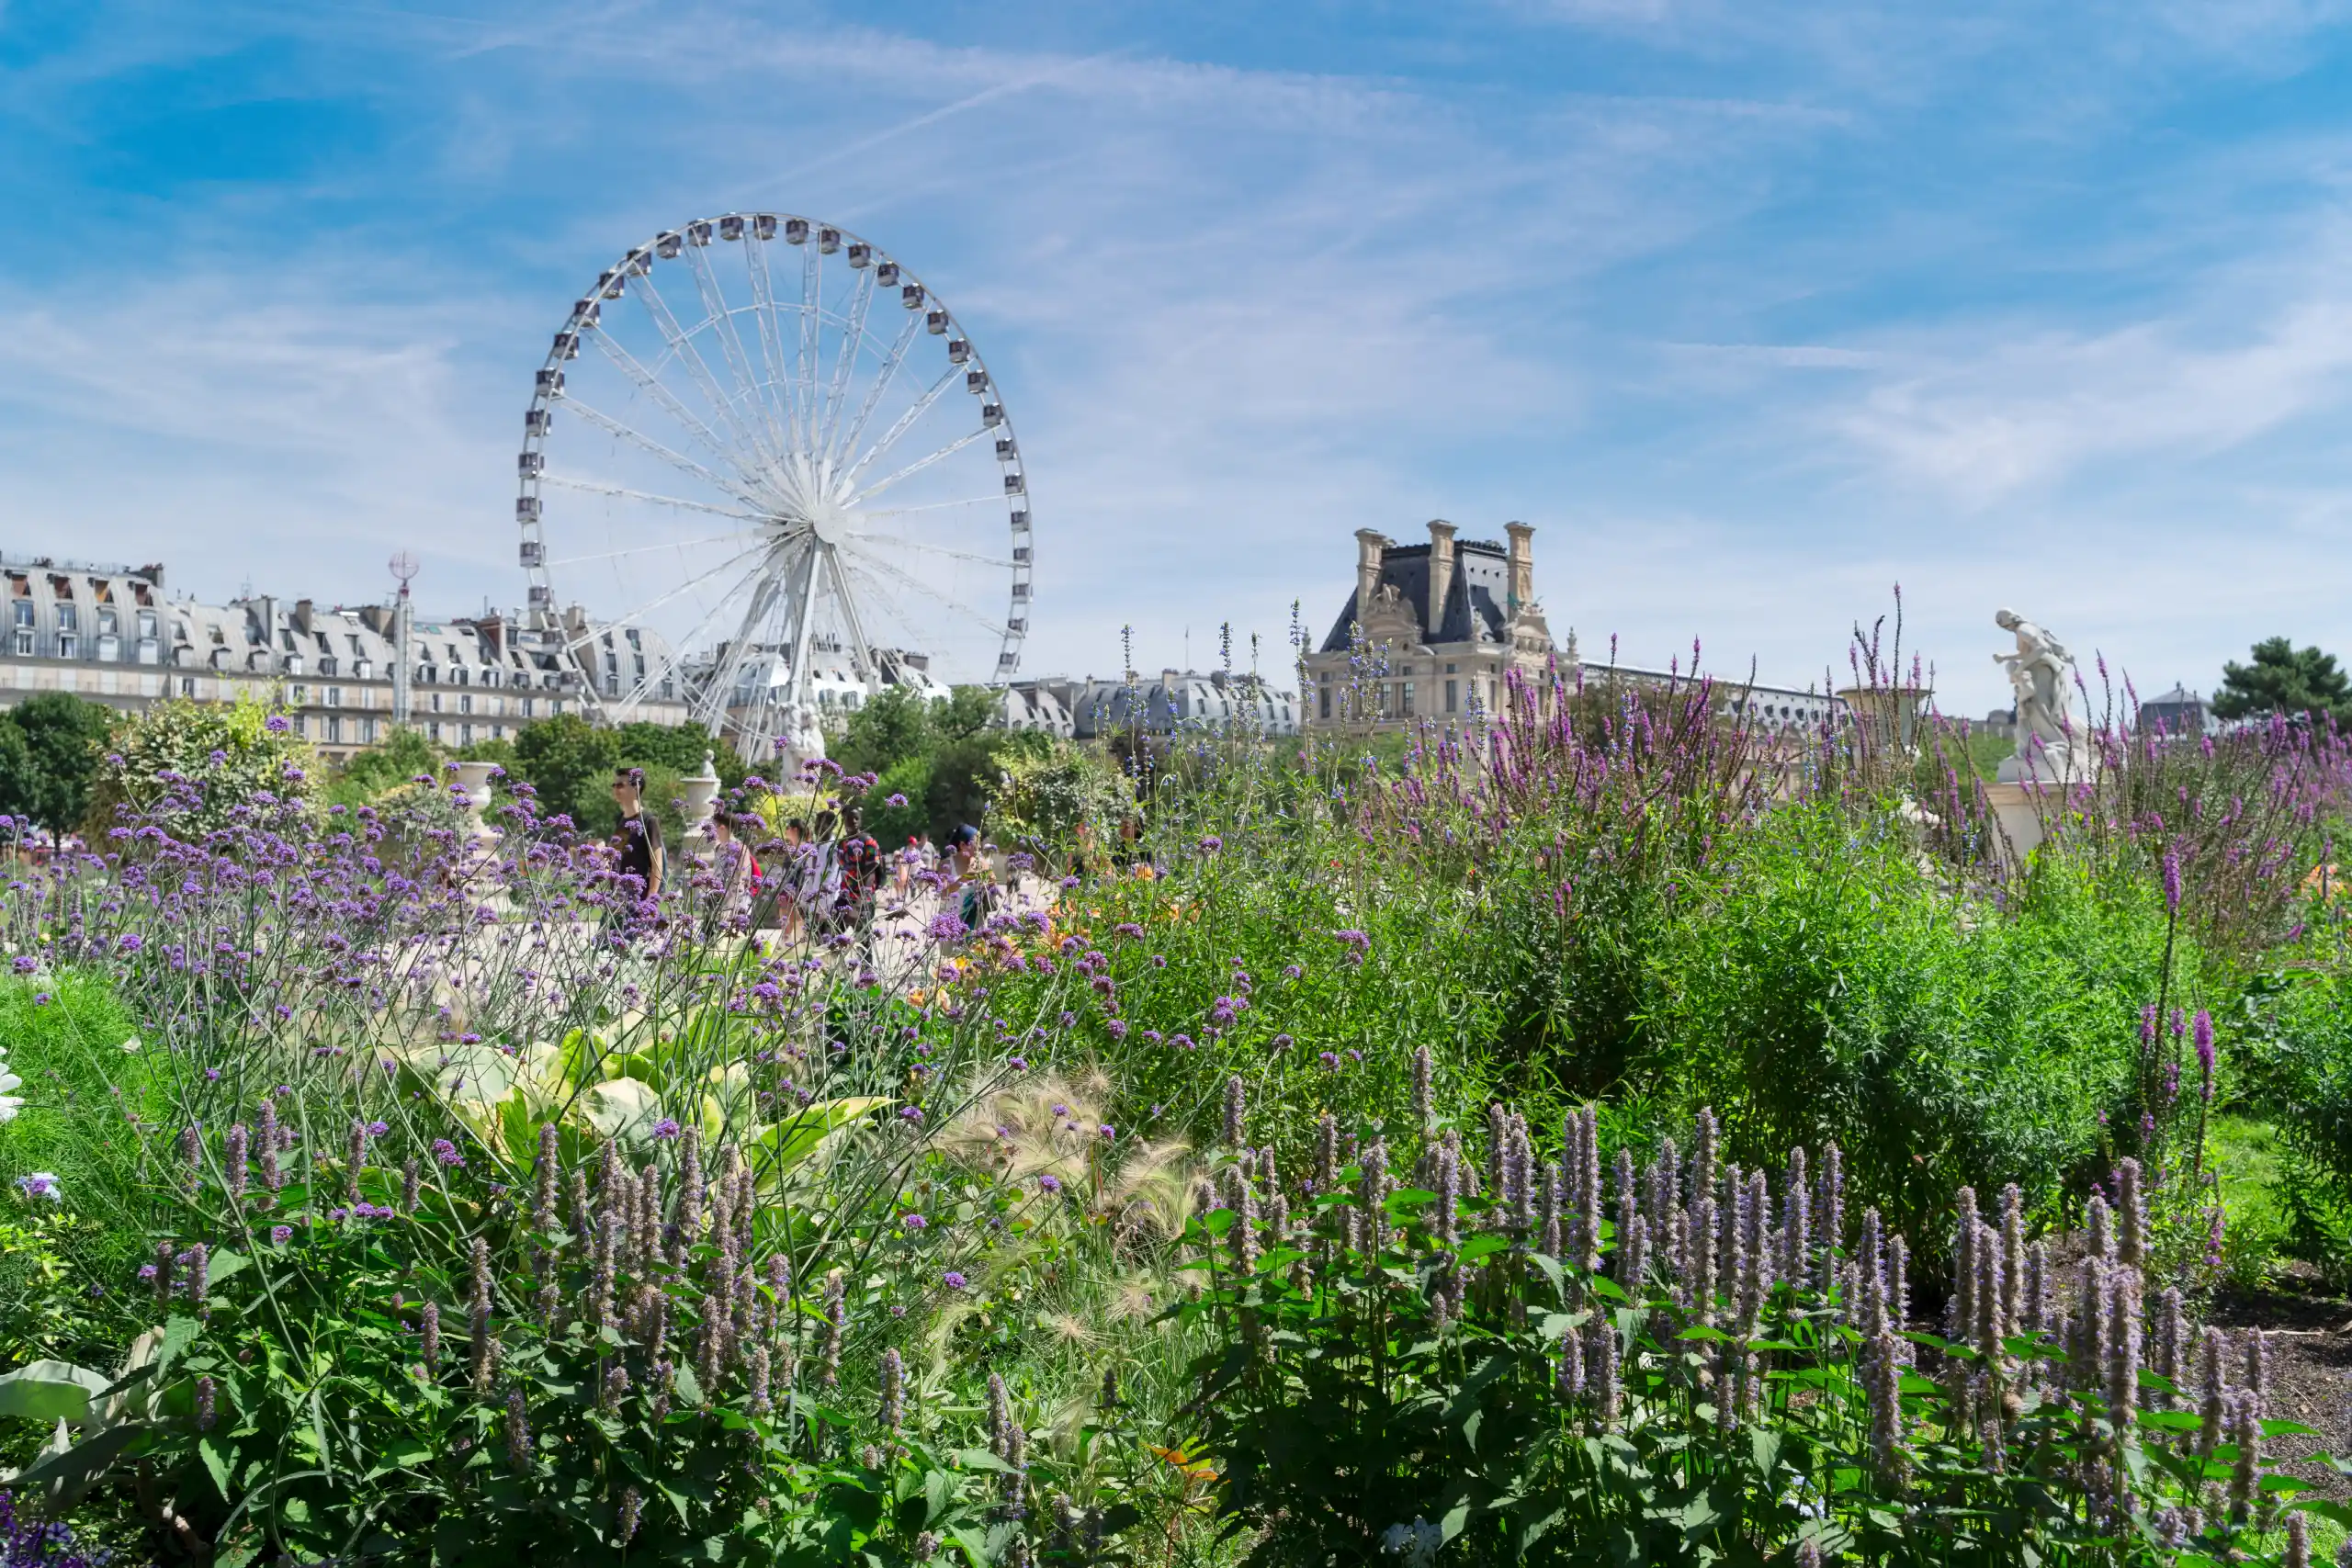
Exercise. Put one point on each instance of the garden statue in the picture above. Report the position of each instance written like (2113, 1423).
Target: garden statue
(2049, 744)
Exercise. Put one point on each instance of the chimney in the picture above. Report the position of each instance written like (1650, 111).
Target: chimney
(1441, 574)
(1523, 565)
(153, 573)
(302, 615)
(1370, 546)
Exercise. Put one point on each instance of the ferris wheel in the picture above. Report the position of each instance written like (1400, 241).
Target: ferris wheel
(789, 490)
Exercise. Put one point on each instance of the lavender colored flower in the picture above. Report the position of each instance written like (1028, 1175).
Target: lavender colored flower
(446, 1153)
(2202, 1033)
(518, 1430)
(207, 1403)
(280, 1235)
(953, 1279)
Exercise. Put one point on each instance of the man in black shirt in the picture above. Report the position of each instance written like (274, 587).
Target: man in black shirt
(637, 847)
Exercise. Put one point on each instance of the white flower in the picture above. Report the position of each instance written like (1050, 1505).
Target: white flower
(130, 1046)
(8, 1080)
(9, 1105)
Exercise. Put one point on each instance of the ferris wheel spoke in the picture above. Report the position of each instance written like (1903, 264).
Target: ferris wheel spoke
(718, 695)
(813, 304)
(866, 669)
(690, 359)
(919, 464)
(651, 549)
(882, 380)
(865, 558)
(852, 335)
(637, 615)
(650, 384)
(755, 262)
(905, 422)
(597, 487)
(676, 460)
(996, 498)
(906, 543)
(730, 345)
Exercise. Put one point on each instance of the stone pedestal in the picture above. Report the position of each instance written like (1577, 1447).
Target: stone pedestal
(700, 789)
(2014, 807)
(473, 783)
(1890, 714)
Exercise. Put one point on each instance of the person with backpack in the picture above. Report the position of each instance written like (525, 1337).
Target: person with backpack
(859, 857)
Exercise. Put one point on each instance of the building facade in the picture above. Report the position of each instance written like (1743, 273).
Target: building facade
(1433, 631)
(115, 635)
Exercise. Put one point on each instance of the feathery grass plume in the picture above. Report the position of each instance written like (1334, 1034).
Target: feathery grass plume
(1607, 1394)
(1498, 1153)
(199, 1272)
(1681, 1275)
(1898, 1285)
(2089, 1363)
(1829, 1211)
(1444, 1213)
(429, 1338)
(355, 1159)
(2258, 1362)
(609, 1230)
(1241, 1197)
(1549, 1237)
(265, 1143)
(665, 1383)
(482, 1352)
(232, 1159)
(836, 1312)
(645, 1231)
(2131, 1214)
(2122, 1366)
(760, 1373)
(1634, 1257)
(1757, 1282)
(1796, 1209)
(2172, 1344)
(1237, 1108)
(1277, 1220)
(1731, 1240)
(408, 1180)
(191, 1157)
(518, 1430)
(2101, 1228)
(548, 1189)
(1424, 1096)
(2245, 1431)
(625, 1524)
(1524, 1173)
(1326, 1154)
(613, 1388)
(720, 1270)
(2298, 1543)
(208, 1394)
(2034, 1296)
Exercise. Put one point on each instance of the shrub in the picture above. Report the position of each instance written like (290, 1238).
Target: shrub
(1519, 1360)
(194, 763)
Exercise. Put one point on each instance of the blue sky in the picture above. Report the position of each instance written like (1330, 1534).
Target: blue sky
(1754, 309)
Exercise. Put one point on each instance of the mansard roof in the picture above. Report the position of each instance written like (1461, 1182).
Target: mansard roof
(1476, 602)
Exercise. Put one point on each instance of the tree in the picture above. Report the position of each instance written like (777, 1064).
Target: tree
(892, 726)
(382, 770)
(961, 773)
(968, 712)
(2285, 678)
(229, 751)
(63, 739)
(892, 825)
(569, 763)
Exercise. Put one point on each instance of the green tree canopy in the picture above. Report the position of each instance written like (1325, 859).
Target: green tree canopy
(570, 762)
(968, 712)
(892, 726)
(2285, 678)
(233, 749)
(64, 738)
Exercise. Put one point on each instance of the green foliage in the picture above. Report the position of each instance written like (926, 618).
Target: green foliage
(963, 775)
(378, 771)
(570, 762)
(47, 764)
(1051, 788)
(1824, 984)
(2282, 678)
(892, 728)
(892, 825)
(239, 751)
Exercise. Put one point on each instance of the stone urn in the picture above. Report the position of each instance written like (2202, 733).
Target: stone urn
(700, 789)
(473, 783)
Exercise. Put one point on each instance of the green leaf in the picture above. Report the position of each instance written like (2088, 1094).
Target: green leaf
(49, 1392)
(2286, 1485)
(67, 1476)
(2287, 1429)
(1478, 1246)
(216, 1466)
(689, 1387)
(225, 1264)
(777, 1149)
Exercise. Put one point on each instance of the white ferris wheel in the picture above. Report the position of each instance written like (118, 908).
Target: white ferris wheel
(773, 463)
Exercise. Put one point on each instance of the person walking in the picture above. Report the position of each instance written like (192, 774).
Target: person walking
(638, 853)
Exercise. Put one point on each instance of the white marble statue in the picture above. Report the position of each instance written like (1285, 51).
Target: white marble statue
(2051, 745)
